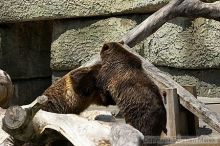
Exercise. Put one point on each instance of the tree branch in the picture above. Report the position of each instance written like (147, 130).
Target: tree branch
(196, 8)
(176, 8)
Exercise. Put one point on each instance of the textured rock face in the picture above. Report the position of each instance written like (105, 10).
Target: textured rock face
(23, 10)
(206, 81)
(185, 43)
(76, 41)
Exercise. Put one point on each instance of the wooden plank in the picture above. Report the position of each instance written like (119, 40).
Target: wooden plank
(172, 108)
(192, 120)
(199, 141)
(209, 100)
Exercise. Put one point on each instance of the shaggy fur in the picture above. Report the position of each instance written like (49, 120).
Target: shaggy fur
(74, 92)
(122, 77)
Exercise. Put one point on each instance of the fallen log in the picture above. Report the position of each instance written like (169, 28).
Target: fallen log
(27, 124)
(6, 89)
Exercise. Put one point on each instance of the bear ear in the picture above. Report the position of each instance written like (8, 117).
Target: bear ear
(105, 47)
(83, 82)
(121, 42)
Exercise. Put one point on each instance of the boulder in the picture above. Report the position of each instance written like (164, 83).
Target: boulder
(185, 43)
(76, 41)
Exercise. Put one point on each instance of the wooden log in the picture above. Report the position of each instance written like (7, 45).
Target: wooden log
(6, 89)
(18, 121)
(3, 134)
(25, 126)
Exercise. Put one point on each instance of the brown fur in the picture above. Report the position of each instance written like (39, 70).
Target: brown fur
(122, 77)
(74, 92)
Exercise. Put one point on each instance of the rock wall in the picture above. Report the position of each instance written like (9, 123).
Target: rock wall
(25, 56)
(185, 43)
(29, 10)
(186, 49)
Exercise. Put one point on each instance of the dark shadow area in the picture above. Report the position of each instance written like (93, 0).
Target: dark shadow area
(203, 131)
(25, 56)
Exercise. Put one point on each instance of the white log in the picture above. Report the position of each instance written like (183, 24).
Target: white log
(81, 131)
(6, 89)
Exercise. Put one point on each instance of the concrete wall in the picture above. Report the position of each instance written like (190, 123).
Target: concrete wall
(36, 37)
(25, 56)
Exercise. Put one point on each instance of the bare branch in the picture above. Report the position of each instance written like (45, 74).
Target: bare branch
(176, 8)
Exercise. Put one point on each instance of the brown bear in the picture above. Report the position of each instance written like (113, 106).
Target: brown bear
(75, 91)
(122, 77)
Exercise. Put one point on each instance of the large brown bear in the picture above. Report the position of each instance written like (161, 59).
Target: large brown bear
(122, 77)
(75, 91)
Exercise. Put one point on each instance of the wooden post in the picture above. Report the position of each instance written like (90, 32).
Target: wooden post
(180, 121)
(190, 119)
(171, 102)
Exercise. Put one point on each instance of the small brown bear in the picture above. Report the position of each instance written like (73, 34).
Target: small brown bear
(138, 98)
(75, 91)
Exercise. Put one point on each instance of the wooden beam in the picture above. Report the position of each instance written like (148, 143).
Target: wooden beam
(199, 141)
(192, 120)
(172, 107)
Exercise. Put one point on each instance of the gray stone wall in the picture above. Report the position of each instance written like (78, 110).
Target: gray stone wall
(207, 81)
(186, 49)
(75, 41)
(25, 56)
(185, 43)
(29, 10)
